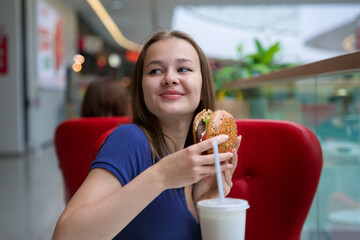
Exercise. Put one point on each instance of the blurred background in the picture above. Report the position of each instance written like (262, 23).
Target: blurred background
(51, 50)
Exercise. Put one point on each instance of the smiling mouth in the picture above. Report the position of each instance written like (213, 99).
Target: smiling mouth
(171, 95)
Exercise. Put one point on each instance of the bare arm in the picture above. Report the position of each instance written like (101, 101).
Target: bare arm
(98, 209)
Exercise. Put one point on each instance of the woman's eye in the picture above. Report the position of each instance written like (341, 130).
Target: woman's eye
(155, 71)
(184, 69)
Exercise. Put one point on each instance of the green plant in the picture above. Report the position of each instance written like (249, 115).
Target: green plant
(251, 65)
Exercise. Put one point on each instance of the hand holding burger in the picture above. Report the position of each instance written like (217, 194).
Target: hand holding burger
(208, 124)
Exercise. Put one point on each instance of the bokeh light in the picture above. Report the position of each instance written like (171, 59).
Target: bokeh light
(101, 61)
(78, 58)
(114, 60)
(76, 67)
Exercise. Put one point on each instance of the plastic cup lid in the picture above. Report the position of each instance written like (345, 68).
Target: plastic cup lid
(228, 203)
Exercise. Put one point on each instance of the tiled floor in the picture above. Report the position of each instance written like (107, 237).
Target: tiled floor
(31, 196)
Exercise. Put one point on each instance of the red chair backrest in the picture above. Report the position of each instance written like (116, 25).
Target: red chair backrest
(74, 144)
(279, 167)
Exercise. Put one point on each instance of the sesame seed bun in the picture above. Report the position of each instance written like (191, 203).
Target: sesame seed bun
(221, 122)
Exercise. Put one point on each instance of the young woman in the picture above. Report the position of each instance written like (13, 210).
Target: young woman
(148, 176)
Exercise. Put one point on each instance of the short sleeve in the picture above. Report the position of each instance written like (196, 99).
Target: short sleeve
(125, 153)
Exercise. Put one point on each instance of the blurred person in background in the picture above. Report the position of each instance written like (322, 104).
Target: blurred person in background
(105, 97)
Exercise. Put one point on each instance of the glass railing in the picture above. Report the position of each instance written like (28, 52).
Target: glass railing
(325, 97)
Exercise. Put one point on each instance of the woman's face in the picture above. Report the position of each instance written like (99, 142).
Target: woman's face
(172, 79)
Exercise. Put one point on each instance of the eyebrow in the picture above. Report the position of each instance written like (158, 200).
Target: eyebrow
(179, 60)
(184, 60)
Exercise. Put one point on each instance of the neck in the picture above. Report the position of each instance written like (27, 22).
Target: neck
(176, 131)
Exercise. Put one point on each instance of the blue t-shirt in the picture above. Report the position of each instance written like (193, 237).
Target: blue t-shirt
(126, 153)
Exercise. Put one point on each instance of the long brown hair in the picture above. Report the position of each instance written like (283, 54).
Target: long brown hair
(143, 117)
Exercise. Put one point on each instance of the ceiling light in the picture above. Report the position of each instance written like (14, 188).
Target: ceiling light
(76, 67)
(349, 43)
(79, 59)
(114, 60)
(112, 27)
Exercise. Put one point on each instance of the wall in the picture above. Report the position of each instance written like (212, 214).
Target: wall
(45, 106)
(11, 86)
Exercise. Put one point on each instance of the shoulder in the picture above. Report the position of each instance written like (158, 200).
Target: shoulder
(124, 140)
(125, 153)
(129, 133)
(128, 128)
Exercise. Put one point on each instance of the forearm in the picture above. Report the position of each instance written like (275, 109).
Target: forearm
(106, 218)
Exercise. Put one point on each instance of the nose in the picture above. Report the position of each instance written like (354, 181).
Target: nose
(170, 79)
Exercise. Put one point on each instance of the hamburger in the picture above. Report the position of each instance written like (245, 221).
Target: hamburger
(208, 124)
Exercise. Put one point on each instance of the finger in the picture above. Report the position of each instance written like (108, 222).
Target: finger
(211, 169)
(207, 144)
(238, 141)
(227, 176)
(210, 158)
(234, 161)
(226, 182)
(204, 175)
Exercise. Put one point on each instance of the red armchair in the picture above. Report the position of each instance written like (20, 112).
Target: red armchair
(74, 144)
(278, 173)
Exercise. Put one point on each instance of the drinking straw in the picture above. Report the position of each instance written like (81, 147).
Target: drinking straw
(218, 171)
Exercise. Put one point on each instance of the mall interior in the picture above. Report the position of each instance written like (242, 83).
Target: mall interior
(51, 50)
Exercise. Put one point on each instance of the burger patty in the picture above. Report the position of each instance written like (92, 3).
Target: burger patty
(200, 130)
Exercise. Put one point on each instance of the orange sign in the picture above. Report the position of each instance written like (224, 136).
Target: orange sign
(131, 56)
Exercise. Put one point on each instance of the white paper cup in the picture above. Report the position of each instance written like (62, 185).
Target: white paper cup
(222, 220)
